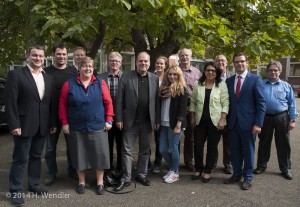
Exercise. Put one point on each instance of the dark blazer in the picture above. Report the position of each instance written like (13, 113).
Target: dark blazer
(127, 99)
(24, 108)
(249, 109)
(178, 109)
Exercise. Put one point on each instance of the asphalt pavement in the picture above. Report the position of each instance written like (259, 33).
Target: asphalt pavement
(269, 189)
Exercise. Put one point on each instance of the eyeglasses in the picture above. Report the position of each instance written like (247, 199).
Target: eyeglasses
(210, 70)
(87, 66)
(114, 61)
(273, 70)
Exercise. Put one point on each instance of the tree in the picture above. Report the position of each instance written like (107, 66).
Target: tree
(262, 29)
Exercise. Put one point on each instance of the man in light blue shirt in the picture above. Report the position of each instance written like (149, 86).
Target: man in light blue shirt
(280, 117)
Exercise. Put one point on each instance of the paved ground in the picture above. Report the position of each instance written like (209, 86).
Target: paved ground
(269, 189)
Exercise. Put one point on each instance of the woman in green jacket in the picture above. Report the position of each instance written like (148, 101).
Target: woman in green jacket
(209, 108)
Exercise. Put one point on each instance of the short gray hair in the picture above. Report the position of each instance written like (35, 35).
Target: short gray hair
(276, 63)
(115, 54)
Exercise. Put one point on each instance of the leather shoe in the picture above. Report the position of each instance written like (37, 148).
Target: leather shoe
(232, 179)
(287, 175)
(80, 189)
(247, 184)
(196, 177)
(228, 169)
(49, 180)
(38, 190)
(109, 181)
(121, 185)
(144, 181)
(73, 175)
(205, 180)
(189, 166)
(259, 170)
(100, 189)
(17, 201)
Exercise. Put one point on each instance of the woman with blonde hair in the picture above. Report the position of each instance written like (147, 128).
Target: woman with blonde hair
(174, 99)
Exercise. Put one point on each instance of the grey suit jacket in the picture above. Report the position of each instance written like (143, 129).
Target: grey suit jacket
(127, 99)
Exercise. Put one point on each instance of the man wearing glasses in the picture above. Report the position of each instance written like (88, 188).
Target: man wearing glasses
(112, 78)
(245, 119)
(280, 117)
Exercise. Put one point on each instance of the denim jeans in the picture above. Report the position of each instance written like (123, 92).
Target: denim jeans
(168, 147)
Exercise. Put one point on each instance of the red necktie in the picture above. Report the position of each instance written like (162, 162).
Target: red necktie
(238, 87)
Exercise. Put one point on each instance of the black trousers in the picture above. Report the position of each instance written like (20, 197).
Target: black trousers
(226, 148)
(206, 131)
(188, 142)
(158, 156)
(277, 126)
(115, 135)
(50, 152)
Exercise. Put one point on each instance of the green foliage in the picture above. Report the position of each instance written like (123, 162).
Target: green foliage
(263, 29)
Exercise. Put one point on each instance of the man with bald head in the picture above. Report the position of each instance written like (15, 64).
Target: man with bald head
(191, 75)
(137, 115)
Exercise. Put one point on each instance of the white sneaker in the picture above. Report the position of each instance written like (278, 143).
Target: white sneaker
(167, 175)
(173, 177)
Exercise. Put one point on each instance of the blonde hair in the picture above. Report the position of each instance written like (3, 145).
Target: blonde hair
(177, 88)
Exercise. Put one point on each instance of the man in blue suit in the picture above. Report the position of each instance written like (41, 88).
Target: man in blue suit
(245, 119)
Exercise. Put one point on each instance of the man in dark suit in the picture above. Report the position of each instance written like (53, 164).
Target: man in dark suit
(137, 115)
(112, 78)
(222, 62)
(30, 108)
(245, 119)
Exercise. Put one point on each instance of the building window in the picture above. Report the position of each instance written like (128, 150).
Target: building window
(295, 69)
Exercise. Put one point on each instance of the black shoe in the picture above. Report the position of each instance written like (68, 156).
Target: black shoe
(205, 180)
(259, 170)
(144, 181)
(228, 169)
(232, 179)
(100, 189)
(73, 175)
(247, 184)
(80, 189)
(17, 200)
(189, 166)
(121, 185)
(49, 180)
(287, 175)
(196, 177)
(38, 190)
(109, 181)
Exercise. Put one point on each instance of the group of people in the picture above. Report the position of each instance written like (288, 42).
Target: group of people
(96, 111)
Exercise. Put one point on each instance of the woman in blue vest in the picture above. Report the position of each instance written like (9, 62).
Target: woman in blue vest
(86, 113)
